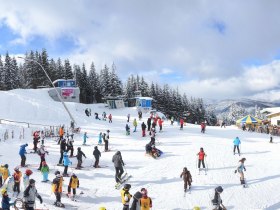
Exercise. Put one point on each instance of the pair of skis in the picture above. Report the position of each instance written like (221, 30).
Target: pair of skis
(205, 171)
(122, 181)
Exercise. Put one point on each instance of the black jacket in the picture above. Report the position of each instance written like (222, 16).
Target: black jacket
(96, 153)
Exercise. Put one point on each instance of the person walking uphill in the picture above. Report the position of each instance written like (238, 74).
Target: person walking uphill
(236, 143)
(240, 169)
(187, 177)
(22, 152)
(30, 194)
(201, 156)
(118, 163)
(97, 155)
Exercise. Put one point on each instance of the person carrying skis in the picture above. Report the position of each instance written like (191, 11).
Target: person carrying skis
(127, 129)
(240, 169)
(29, 195)
(17, 176)
(149, 122)
(57, 188)
(217, 201)
(135, 124)
(110, 118)
(187, 177)
(145, 201)
(22, 152)
(143, 126)
(97, 155)
(201, 156)
(80, 155)
(62, 150)
(85, 137)
(118, 164)
(45, 171)
(181, 123)
(66, 163)
(126, 196)
(26, 177)
(73, 184)
(42, 153)
(236, 143)
(5, 203)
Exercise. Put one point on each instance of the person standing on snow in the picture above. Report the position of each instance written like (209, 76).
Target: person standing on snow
(236, 143)
(73, 184)
(127, 130)
(30, 194)
(201, 156)
(135, 124)
(240, 169)
(143, 126)
(62, 150)
(85, 137)
(187, 177)
(100, 138)
(118, 163)
(26, 177)
(217, 201)
(128, 116)
(126, 196)
(160, 122)
(57, 188)
(17, 177)
(145, 201)
(97, 155)
(42, 153)
(61, 133)
(22, 152)
(110, 118)
(181, 124)
(66, 163)
(149, 122)
(80, 155)
(5, 203)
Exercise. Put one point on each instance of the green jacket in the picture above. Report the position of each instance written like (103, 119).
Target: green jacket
(45, 169)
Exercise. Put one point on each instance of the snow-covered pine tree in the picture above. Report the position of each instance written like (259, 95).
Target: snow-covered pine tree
(105, 81)
(68, 74)
(8, 73)
(60, 69)
(45, 64)
(15, 72)
(144, 87)
(2, 82)
(115, 82)
(52, 70)
(93, 79)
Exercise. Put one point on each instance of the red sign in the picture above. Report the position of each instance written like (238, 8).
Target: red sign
(67, 92)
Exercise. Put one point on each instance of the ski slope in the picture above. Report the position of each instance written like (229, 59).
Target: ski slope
(160, 176)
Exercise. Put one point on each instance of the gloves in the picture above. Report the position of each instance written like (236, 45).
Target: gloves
(235, 171)
(40, 198)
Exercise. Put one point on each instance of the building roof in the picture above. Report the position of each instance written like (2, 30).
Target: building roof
(146, 98)
(271, 110)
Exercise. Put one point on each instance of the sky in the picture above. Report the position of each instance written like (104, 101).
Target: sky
(211, 50)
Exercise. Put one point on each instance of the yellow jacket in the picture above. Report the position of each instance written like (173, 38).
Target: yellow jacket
(145, 203)
(125, 197)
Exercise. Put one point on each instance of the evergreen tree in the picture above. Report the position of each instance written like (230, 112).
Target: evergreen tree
(60, 74)
(45, 64)
(94, 83)
(144, 87)
(68, 70)
(105, 81)
(15, 74)
(8, 73)
(2, 78)
(115, 83)
(52, 70)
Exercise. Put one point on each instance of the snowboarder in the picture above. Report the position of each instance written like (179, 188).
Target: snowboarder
(145, 201)
(45, 171)
(127, 129)
(80, 155)
(29, 195)
(17, 176)
(5, 204)
(118, 163)
(128, 116)
(100, 138)
(62, 150)
(85, 137)
(135, 124)
(187, 177)
(22, 152)
(236, 143)
(73, 184)
(66, 163)
(26, 177)
(42, 153)
(126, 196)
(149, 122)
(217, 201)
(201, 156)
(143, 126)
(110, 118)
(57, 188)
(97, 155)
(240, 169)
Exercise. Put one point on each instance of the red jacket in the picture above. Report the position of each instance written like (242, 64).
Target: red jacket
(110, 116)
(181, 121)
(160, 121)
(201, 155)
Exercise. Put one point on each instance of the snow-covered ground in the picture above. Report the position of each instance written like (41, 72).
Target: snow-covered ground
(159, 176)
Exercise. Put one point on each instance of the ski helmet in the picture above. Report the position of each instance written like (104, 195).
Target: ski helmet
(16, 168)
(196, 208)
(79, 148)
(56, 173)
(31, 181)
(102, 208)
(3, 191)
(185, 169)
(6, 166)
(219, 189)
(28, 172)
(127, 186)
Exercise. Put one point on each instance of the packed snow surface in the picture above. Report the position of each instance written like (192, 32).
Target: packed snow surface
(160, 176)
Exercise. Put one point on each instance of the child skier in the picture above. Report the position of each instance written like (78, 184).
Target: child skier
(42, 153)
(126, 196)
(240, 169)
(145, 201)
(73, 184)
(110, 118)
(217, 201)
(97, 155)
(135, 124)
(85, 137)
(127, 129)
(80, 155)
(100, 138)
(45, 171)
(5, 204)
(17, 176)
(57, 188)
(187, 177)
(22, 152)
(26, 177)
(236, 143)
(143, 126)
(201, 156)
(66, 163)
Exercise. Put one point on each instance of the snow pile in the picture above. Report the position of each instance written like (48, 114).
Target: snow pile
(159, 176)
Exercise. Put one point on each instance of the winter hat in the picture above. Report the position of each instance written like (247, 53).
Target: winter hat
(95, 147)
(31, 181)
(28, 172)
(127, 186)
(219, 189)
(56, 173)
(3, 191)
(79, 148)
(144, 191)
(16, 168)
(26, 144)
(44, 163)
(6, 166)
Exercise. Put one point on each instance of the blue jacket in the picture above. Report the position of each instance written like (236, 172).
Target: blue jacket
(22, 149)
(66, 160)
(85, 137)
(5, 202)
(236, 141)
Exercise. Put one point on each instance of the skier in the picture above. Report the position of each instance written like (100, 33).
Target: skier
(17, 176)
(73, 184)
(36, 138)
(140, 114)
(128, 116)
(100, 138)
(126, 196)
(127, 129)
(29, 195)
(70, 147)
(57, 188)
(172, 120)
(26, 177)
(104, 116)
(45, 171)
(62, 150)
(136, 200)
(97, 155)
(5, 172)
(42, 152)
(236, 143)
(240, 169)
(87, 112)
(135, 124)
(80, 155)
(85, 137)
(42, 136)
(160, 122)
(181, 123)
(61, 133)
(149, 122)
(153, 132)
(145, 201)
(203, 126)
(106, 140)
(217, 201)
(5, 204)
(22, 152)
(118, 163)
(66, 163)
(201, 156)
(271, 138)
(143, 126)
(187, 177)
(110, 118)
